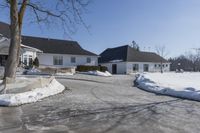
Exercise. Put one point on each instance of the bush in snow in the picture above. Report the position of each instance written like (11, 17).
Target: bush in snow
(103, 68)
(83, 68)
(36, 62)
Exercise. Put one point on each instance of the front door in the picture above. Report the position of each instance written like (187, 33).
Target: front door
(114, 68)
(146, 67)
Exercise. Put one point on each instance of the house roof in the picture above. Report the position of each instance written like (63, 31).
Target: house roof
(128, 54)
(4, 29)
(46, 45)
(55, 46)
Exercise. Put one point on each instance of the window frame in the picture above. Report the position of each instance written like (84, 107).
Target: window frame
(88, 60)
(25, 59)
(58, 60)
(73, 59)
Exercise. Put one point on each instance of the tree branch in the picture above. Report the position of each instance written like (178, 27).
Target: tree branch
(21, 12)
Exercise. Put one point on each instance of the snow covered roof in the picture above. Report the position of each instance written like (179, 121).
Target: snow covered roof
(128, 54)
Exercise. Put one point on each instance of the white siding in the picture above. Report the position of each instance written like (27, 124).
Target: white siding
(152, 67)
(127, 67)
(28, 53)
(121, 67)
(47, 59)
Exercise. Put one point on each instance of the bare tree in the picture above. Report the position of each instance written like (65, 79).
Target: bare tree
(135, 46)
(67, 13)
(194, 57)
(161, 51)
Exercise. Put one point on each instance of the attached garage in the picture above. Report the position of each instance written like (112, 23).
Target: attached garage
(125, 60)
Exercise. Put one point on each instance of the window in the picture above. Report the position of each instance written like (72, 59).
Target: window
(25, 60)
(58, 60)
(166, 65)
(30, 60)
(3, 59)
(155, 65)
(20, 60)
(73, 59)
(88, 60)
(30, 57)
(135, 67)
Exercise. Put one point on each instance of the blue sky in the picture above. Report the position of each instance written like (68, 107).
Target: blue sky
(173, 23)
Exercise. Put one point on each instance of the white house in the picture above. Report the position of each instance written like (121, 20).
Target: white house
(125, 60)
(60, 53)
(50, 52)
(26, 53)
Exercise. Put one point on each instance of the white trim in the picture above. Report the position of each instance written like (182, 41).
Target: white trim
(71, 54)
(32, 48)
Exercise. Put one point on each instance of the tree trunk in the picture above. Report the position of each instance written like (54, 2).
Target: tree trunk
(12, 62)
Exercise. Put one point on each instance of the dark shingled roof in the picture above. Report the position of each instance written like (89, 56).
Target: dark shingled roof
(55, 46)
(46, 45)
(128, 54)
(4, 29)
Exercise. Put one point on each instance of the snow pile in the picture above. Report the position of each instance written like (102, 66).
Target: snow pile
(34, 71)
(183, 85)
(64, 74)
(20, 70)
(51, 88)
(115, 61)
(98, 73)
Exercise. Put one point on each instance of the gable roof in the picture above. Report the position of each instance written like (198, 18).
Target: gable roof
(53, 46)
(128, 54)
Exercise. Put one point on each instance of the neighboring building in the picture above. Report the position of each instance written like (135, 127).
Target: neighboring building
(4, 42)
(26, 53)
(125, 60)
(60, 53)
(50, 52)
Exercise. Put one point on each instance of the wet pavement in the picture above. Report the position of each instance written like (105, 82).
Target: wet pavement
(102, 105)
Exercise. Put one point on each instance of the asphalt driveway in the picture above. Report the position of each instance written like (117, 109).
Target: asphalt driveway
(103, 105)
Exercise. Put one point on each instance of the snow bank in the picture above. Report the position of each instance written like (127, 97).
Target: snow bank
(183, 85)
(98, 73)
(64, 74)
(34, 71)
(52, 88)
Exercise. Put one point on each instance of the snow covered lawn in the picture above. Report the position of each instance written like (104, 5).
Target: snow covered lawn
(183, 85)
(47, 88)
